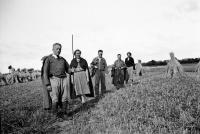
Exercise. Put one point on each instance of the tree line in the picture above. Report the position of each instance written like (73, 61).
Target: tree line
(164, 62)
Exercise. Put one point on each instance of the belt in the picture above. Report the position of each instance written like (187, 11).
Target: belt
(79, 71)
(58, 77)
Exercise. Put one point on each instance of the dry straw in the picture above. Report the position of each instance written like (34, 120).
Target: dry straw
(174, 68)
(198, 71)
(139, 68)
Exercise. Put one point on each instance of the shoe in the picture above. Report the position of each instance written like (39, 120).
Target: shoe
(55, 107)
(65, 107)
(46, 109)
(60, 104)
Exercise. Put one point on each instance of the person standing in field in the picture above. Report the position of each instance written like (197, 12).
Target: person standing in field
(81, 77)
(118, 72)
(101, 68)
(55, 79)
(174, 68)
(130, 64)
(139, 69)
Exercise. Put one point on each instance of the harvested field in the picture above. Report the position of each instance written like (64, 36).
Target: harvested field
(153, 105)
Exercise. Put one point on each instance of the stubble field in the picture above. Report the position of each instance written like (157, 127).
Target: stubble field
(153, 105)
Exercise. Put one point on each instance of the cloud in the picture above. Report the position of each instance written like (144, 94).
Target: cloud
(183, 10)
(188, 6)
(149, 29)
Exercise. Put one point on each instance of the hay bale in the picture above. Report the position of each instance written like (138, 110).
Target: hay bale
(198, 71)
(198, 68)
(139, 68)
(174, 68)
(2, 80)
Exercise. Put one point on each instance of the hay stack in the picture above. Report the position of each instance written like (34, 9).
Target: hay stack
(174, 68)
(139, 68)
(198, 71)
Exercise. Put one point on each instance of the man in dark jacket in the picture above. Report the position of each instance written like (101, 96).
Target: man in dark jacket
(54, 78)
(129, 61)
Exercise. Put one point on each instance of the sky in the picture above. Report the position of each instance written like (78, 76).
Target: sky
(150, 29)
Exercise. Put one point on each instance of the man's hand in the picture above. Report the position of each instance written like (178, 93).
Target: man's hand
(49, 88)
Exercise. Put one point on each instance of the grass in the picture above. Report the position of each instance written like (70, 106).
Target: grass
(21, 108)
(151, 107)
(154, 105)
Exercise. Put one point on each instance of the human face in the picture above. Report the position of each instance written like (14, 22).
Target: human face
(57, 50)
(172, 56)
(119, 57)
(78, 54)
(129, 55)
(100, 54)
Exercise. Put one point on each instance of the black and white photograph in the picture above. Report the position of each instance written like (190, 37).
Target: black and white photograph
(100, 66)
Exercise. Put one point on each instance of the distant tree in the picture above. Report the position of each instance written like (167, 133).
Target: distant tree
(163, 63)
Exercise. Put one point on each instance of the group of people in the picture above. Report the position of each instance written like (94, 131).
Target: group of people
(18, 76)
(63, 81)
(123, 72)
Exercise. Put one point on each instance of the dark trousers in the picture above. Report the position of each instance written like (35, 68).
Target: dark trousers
(100, 77)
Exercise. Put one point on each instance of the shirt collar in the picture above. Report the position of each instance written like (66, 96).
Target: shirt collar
(100, 58)
(55, 56)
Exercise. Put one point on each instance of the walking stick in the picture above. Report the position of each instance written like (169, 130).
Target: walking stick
(73, 45)
(72, 75)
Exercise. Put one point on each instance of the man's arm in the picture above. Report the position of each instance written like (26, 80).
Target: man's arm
(123, 65)
(106, 67)
(67, 67)
(133, 63)
(126, 61)
(46, 74)
(93, 63)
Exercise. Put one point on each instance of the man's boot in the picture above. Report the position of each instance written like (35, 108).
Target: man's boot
(60, 104)
(55, 107)
(65, 107)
